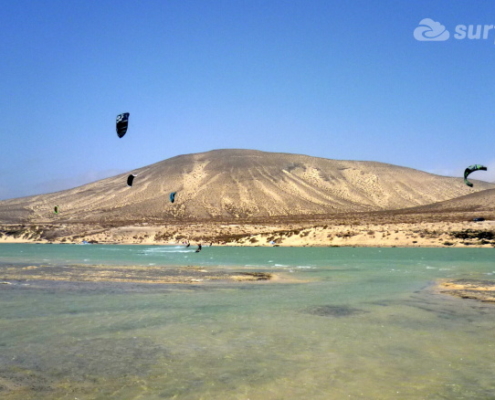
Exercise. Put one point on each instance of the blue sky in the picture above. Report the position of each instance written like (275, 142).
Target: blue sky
(333, 79)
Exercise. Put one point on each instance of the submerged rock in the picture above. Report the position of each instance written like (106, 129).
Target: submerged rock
(334, 311)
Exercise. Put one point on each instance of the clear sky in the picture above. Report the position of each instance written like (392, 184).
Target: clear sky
(334, 79)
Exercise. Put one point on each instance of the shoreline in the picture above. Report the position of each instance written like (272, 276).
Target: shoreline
(283, 234)
(461, 245)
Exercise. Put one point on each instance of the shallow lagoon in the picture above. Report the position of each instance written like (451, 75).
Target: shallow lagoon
(365, 324)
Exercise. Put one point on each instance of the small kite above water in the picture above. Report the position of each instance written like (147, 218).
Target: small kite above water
(470, 169)
(130, 179)
(172, 197)
(55, 210)
(122, 123)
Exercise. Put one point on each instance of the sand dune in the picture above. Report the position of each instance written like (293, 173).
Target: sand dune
(246, 184)
(480, 201)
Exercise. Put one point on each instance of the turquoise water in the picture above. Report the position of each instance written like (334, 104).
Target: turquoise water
(363, 324)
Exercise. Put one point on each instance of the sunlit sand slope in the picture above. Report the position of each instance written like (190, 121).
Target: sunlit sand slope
(479, 201)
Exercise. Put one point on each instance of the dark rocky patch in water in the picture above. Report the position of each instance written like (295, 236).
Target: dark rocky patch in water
(334, 311)
(254, 276)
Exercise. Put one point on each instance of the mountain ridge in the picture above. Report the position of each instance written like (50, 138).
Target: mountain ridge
(230, 184)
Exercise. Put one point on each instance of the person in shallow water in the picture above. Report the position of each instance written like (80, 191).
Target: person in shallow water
(199, 248)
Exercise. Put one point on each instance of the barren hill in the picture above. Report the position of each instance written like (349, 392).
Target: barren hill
(241, 184)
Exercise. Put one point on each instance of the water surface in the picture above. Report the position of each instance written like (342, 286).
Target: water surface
(365, 324)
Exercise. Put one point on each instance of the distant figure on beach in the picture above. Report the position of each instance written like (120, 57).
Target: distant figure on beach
(199, 248)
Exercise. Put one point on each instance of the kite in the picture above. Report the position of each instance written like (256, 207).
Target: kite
(172, 197)
(470, 169)
(122, 122)
(130, 179)
(55, 210)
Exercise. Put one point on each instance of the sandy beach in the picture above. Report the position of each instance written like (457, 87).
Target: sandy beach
(335, 232)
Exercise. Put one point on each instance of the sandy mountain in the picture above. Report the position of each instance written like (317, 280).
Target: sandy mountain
(235, 184)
